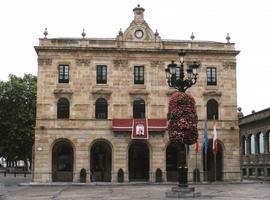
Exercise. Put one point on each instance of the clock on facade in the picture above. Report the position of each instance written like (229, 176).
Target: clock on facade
(139, 34)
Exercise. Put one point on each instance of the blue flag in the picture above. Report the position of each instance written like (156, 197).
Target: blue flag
(205, 138)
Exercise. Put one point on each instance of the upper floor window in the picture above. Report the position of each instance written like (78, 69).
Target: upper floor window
(63, 108)
(244, 152)
(246, 146)
(268, 143)
(138, 109)
(177, 73)
(101, 109)
(139, 75)
(101, 74)
(212, 109)
(211, 76)
(63, 76)
(252, 144)
(260, 143)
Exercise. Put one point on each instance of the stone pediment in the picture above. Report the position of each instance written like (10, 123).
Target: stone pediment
(139, 30)
(101, 91)
(138, 92)
(212, 93)
(60, 91)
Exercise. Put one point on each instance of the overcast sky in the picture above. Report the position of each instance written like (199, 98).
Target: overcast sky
(22, 22)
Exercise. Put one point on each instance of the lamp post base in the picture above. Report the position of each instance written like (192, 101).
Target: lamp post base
(182, 176)
(182, 192)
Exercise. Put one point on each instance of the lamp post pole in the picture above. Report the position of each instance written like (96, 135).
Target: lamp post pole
(175, 76)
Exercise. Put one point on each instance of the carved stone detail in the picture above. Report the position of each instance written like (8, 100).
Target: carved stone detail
(229, 65)
(120, 63)
(156, 63)
(212, 94)
(44, 61)
(63, 92)
(83, 62)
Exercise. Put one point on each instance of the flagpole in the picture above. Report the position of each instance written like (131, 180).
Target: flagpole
(214, 148)
(196, 171)
(215, 166)
(205, 150)
(205, 156)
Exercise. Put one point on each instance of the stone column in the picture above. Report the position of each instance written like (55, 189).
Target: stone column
(157, 157)
(120, 158)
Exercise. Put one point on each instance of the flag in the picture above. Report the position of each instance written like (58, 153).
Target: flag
(215, 141)
(205, 138)
(197, 144)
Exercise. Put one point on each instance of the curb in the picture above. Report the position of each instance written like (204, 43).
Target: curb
(33, 184)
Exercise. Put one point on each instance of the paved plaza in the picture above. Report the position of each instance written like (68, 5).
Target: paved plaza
(10, 190)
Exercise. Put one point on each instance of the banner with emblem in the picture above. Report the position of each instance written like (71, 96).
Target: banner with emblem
(140, 129)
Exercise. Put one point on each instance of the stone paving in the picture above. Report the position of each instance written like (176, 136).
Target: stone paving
(233, 191)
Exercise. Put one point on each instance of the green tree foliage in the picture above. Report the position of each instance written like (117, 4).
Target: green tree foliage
(17, 117)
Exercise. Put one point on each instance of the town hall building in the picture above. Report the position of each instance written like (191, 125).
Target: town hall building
(91, 92)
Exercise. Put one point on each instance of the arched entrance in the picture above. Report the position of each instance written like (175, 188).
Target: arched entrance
(138, 162)
(62, 161)
(175, 155)
(101, 161)
(213, 167)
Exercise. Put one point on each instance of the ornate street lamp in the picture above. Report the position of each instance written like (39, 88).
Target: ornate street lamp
(182, 126)
(175, 75)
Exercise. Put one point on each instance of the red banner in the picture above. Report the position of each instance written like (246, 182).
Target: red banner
(140, 129)
(125, 125)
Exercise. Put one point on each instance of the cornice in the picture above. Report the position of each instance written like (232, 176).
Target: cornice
(136, 50)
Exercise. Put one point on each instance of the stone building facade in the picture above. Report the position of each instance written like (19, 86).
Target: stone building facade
(90, 90)
(254, 143)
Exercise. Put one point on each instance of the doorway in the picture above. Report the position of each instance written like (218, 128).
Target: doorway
(138, 162)
(62, 162)
(101, 162)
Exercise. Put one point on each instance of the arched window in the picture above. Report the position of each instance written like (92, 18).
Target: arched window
(261, 143)
(212, 109)
(252, 144)
(138, 109)
(249, 144)
(244, 145)
(63, 108)
(268, 139)
(101, 108)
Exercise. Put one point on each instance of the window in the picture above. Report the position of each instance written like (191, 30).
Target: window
(249, 144)
(63, 108)
(101, 74)
(212, 109)
(63, 76)
(268, 141)
(260, 172)
(251, 171)
(244, 145)
(138, 109)
(139, 75)
(252, 144)
(211, 76)
(244, 170)
(101, 109)
(261, 144)
(177, 73)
